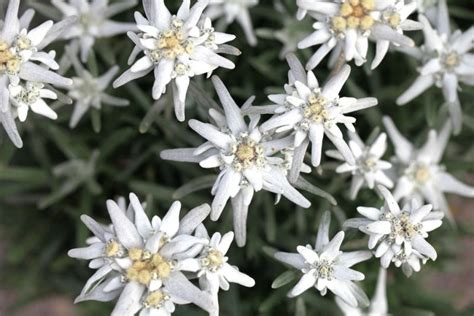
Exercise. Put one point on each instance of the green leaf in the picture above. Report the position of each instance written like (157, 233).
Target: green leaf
(284, 278)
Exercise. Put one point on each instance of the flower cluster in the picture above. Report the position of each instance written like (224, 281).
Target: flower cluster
(147, 263)
(176, 47)
(446, 60)
(399, 232)
(326, 267)
(346, 26)
(25, 75)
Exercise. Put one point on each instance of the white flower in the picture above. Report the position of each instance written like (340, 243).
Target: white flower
(422, 176)
(310, 112)
(399, 233)
(247, 161)
(31, 95)
(93, 21)
(88, 91)
(326, 267)
(348, 25)
(139, 260)
(378, 304)
(232, 10)
(446, 60)
(23, 62)
(368, 169)
(212, 265)
(176, 48)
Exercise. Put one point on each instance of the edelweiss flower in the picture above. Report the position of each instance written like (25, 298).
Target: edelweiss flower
(400, 233)
(93, 21)
(446, 60)
(310, 112)
(421, 176)
(326, 267)
(176, 48)
(24, 68)
(378, 304)
(139, 260)
(348, 25)
(247, 161)
(233, 10)
(88, 91)
(368, 168)
(212, 265)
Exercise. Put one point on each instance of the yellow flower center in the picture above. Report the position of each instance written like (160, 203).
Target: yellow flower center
(422, 174)
(172, 44)
(354, 14)
(113, 249)
(451, 60)
(147, 267)
(247, 153)
(316, 108)
(8, 61)
(155, 299)
(214, 260)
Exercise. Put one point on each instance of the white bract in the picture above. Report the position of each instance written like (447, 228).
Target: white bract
(326, 267)
(346, 26)
(231, 10)
(212, 266)
(176, 48)
(93, 21)
(446, 60)
(138, 260)
(88, 91)
(378, 304)
(310, 112)
(421, 176)
(399, 234)
(369, 168)
(246, 160)
(24, 68)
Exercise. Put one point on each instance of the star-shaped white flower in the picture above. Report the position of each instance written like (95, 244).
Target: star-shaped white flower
(212, 265)
(246, 160)
(378, 304)
(421, 175)
(369, 168)
(93, 21)
(348, 25)
(326, 267)
(30, 95)
(399, 234)
(24, 67)
(138, 259)
(232, 10)
(176, 48)
(89, 92)
(311, 112)
(446, 60)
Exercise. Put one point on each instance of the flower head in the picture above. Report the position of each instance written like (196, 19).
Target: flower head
(310, 112)
(326, 267)
(93, 21)
(247, 160)
(88, 91)
(446, 61)
(421, 175)
(369, 168)
(399, 234)
(231, 10)
(139, 259)
(176, 47)
(347, 26)
(25, 69)
(212, 264)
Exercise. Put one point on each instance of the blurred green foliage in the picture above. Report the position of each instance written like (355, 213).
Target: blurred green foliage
(119, 147)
